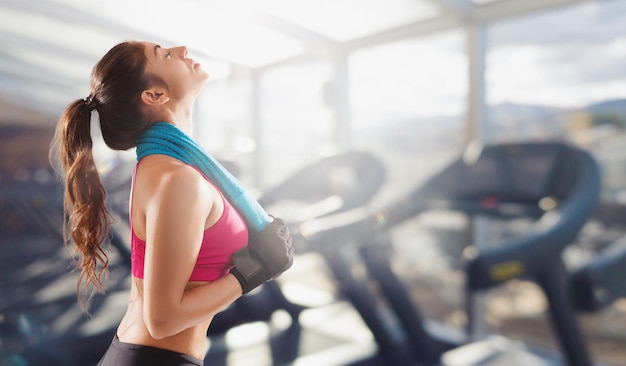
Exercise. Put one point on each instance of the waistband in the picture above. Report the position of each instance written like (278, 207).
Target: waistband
(137, 354)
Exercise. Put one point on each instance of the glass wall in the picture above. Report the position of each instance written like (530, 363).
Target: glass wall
(296, 118)
(408, 103)
(560, 75)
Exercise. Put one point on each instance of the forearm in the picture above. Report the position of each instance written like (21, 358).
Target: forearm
(196, 305)
(268, 254)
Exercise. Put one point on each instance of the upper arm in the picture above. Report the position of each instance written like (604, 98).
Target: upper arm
(175, 218)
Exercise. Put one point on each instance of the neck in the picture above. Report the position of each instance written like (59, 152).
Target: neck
(180, 117)
(185, 124)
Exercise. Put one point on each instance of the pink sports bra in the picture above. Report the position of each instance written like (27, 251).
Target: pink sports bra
(219, 242)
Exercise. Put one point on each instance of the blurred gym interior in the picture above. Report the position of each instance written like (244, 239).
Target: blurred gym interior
(453, 171)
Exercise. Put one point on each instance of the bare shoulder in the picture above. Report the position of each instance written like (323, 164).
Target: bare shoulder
(160, 175)
(162, 169)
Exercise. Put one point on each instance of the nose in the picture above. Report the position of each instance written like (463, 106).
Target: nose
(182, 50)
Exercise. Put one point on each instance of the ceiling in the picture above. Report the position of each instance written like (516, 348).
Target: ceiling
(49, 46)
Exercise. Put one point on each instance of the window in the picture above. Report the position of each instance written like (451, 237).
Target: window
(408, 101)
(561, 75)
(296, 119)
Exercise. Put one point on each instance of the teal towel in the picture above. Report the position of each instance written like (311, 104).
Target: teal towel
(166, 139)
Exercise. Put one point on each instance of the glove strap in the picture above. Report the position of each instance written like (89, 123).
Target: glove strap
(248, 271)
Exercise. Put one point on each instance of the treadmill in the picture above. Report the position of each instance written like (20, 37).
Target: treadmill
(552, 184)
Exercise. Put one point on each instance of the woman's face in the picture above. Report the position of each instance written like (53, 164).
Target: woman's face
(183, 76)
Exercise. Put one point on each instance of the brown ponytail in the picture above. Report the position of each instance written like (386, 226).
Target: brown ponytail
(117, 81)
(85, 197)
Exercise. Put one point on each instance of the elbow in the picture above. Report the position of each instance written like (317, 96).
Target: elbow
(159, 327)
(157, 332)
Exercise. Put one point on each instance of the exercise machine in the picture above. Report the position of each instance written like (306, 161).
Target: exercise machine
(553, 184)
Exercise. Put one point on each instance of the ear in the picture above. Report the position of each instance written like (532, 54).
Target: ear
(154, 96)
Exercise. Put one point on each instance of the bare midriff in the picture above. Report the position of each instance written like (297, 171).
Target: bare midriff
(132, 329)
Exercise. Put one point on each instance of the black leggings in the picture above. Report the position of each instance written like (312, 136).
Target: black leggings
(128, 354)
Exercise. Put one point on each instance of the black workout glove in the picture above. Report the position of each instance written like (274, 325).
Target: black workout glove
(268, 254)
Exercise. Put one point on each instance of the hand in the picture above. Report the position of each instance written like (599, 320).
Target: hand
(268, 254)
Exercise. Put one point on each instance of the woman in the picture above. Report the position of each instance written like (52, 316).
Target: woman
(190, 252)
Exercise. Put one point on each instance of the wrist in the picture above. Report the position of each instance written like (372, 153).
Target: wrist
(241, 280)
(235, 283)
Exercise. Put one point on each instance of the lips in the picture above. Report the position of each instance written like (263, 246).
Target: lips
(194, 64)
